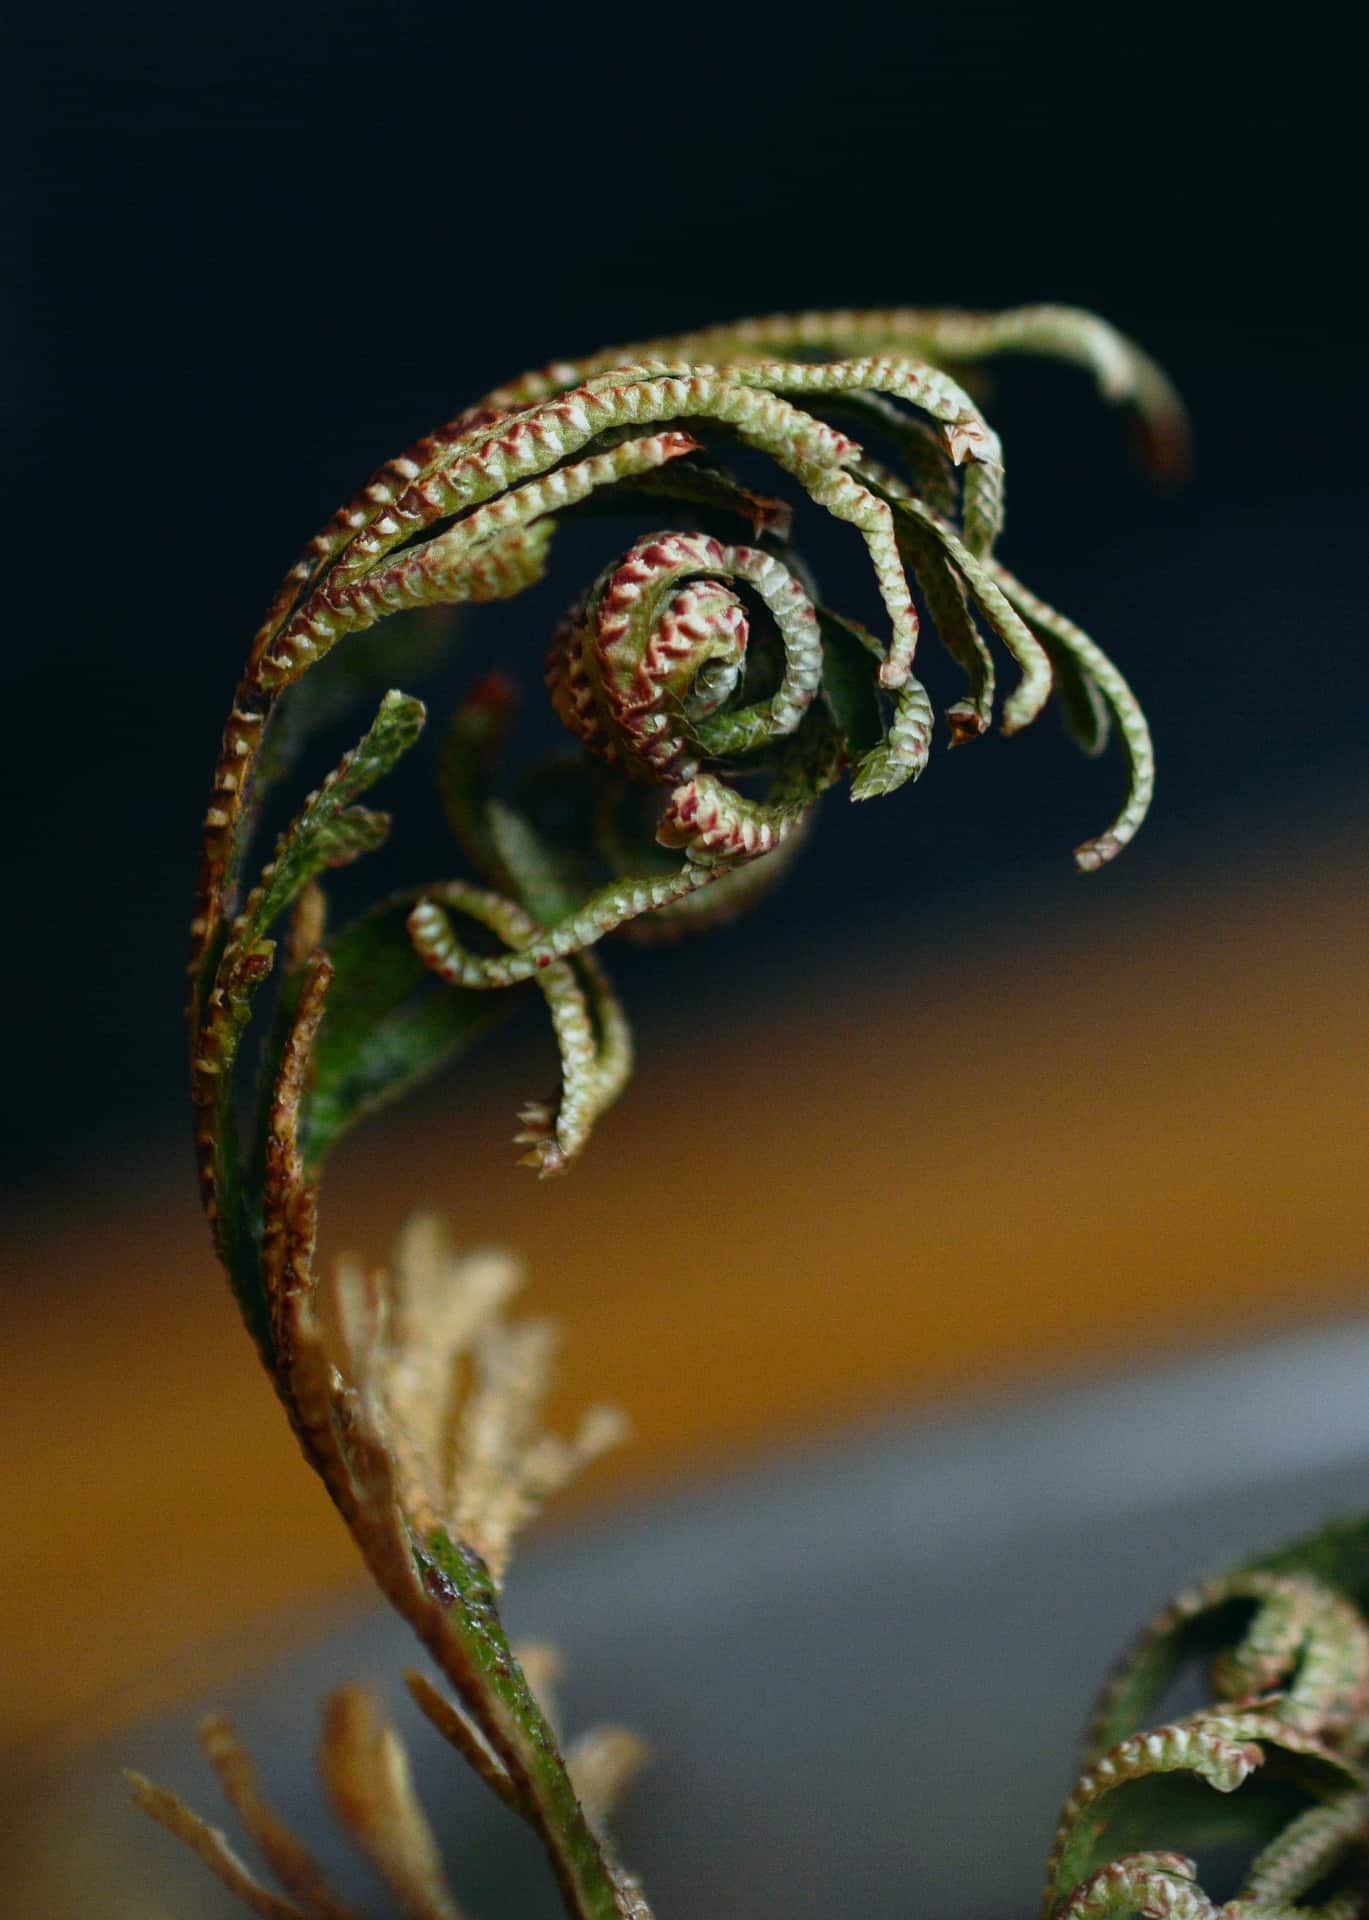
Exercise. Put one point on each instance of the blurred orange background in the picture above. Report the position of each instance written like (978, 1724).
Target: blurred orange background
(1103, 1129)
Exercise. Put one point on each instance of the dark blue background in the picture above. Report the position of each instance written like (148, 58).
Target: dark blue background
(261, 248)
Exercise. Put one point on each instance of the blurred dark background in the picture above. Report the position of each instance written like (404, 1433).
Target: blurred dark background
(259, 248)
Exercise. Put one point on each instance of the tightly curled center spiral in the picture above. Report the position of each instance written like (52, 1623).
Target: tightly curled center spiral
(643, 668)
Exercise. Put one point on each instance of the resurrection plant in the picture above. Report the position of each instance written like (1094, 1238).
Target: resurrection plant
(713, 697)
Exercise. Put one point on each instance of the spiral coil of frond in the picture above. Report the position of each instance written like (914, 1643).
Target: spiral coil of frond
(697, 660)
(713, 698)
(1283, 1746)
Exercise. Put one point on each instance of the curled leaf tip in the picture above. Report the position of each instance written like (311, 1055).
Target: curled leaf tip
(1094, 854)
(700, 658)
(964, 722)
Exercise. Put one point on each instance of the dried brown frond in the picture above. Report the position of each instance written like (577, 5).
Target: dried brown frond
(449, 1393)
(603, 1763)
(457, 1727)
(366, 1770)
(420, 1406)
(286, 1855)
(211, 1845)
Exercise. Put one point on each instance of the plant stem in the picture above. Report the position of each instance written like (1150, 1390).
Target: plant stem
(510, 1717)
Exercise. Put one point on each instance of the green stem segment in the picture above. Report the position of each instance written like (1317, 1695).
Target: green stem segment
(516, 1727)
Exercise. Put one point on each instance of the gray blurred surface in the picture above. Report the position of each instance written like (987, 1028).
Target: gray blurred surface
(863, 1672)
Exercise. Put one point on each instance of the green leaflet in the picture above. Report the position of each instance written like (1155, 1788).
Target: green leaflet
(1026, 700)
(850, 662)
(1122, 704)
(902, 755)
(329, 831)
(947, 603)
(1082, 707)
(389, 1026)
(325, 833)
(883, 757)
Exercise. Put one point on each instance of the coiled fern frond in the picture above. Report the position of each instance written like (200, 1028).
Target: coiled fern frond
(714, 694)
(711, 696)
(1269, 1778)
